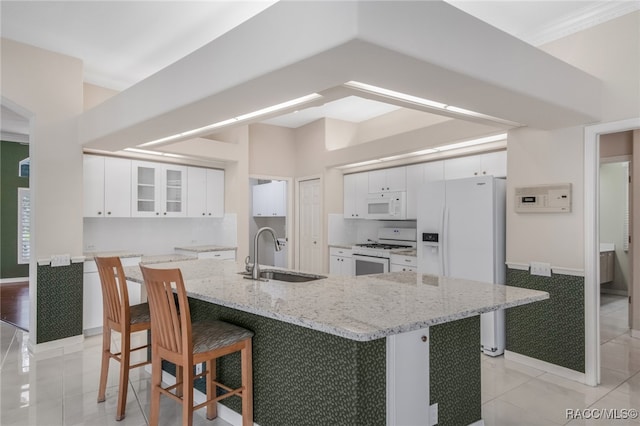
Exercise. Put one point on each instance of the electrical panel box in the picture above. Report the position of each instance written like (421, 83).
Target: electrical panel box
(555, 198)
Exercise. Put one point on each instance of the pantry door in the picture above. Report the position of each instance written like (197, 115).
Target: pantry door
(310, 226)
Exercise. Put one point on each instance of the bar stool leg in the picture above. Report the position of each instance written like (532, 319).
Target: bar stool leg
(156, 382)
(104, 365)
(247, 384)
(187, 396)
(125, 355)
(212, 409)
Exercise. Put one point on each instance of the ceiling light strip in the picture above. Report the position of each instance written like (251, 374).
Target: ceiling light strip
(392, 94)
(238, 119)
(449, 147)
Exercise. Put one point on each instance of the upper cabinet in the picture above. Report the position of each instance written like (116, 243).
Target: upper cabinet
(107, 186)
(490, 164)
(270, 199)
(356, 189)
(158, 189)
(205, 192)
(388, 180)
(417, 176)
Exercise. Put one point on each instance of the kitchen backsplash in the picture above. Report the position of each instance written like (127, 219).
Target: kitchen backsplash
(348, 231)
(158, 235)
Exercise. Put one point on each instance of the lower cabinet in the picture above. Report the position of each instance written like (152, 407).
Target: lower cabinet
(606, 266)
(92, 295)
(400, 263)
(340, 261)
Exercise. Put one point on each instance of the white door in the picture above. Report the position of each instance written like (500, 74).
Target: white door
(310, 226)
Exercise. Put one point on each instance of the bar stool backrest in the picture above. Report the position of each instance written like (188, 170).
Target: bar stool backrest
(115, 295)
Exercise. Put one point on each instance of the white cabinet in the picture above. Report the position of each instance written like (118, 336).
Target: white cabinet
(270, 199)
(92, 315)
(401, 263)
(158, 189)
(492, 163)
(106, 186)
(205, 192)
(606, 266)
(356, 189)
(417, 176)
(388, 180)
(340, 261)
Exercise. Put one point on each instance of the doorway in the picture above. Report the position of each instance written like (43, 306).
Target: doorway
(270, 204)
(310, 226)
(615, 266)
(592, 243)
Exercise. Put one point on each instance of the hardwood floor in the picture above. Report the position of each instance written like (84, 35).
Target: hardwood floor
(14, 304)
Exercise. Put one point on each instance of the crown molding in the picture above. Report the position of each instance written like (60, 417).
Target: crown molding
(580, 20)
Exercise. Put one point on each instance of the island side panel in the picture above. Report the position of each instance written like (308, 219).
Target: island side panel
(455, 371)
(302, 376)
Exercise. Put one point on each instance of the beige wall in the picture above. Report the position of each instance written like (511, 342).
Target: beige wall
(95, 95)
(49, 86)
(271, 150)
(616, 144)
(611, 52)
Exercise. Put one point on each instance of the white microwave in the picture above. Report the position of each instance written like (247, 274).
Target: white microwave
(387, 205)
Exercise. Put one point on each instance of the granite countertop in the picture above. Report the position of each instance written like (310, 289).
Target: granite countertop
(359, 308)
(405, 252)
(163, 258)
(204, 249)
(114, 253)
(342, 245)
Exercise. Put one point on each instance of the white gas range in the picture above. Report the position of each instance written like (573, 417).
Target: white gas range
(373, 257)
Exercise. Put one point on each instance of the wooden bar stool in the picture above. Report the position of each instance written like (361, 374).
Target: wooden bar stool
(119, 316)
(177, 340)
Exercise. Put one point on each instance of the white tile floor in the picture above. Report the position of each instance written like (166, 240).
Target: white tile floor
(513, 394)
(58, 388)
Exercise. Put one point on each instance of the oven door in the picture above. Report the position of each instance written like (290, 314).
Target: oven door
(367, 265)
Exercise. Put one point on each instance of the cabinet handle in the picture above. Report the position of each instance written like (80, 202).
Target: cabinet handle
(165, 213)
(484, 173)
(99, 213)
(109, 213)
(475, 173)
(407, 260)
(157, 214)
(209, 214)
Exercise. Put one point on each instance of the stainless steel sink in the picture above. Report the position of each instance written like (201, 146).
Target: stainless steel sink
(291, 277)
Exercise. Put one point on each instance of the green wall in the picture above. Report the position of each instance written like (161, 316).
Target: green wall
(10, 154)
(551, 330)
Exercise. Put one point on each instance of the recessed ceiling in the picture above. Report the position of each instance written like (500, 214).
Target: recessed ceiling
(124, 42)
(352, 108)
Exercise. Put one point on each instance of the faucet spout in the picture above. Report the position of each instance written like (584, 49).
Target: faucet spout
(255, 273)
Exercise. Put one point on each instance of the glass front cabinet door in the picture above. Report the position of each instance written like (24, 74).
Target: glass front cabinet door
(158, 190)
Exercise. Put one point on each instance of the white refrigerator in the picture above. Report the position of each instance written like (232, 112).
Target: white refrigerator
(461, 234)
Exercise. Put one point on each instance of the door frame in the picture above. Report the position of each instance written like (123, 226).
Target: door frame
(592, 240)
(297, 215)
(290, 217)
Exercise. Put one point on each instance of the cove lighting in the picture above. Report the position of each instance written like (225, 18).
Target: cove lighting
(392, 94)
(457, 145)
(238, 119)
(144, 151)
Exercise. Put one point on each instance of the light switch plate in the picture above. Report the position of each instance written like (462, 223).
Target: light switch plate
(541, 269)
(60, 260)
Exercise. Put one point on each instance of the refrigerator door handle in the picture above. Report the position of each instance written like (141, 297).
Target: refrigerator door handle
(442, 242)
(445, 243)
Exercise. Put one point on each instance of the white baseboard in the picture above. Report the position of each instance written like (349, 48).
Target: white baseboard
(13, 280)
(88, 332)
(635, 334)
(225, 413)
(68, 345)
(546, 366)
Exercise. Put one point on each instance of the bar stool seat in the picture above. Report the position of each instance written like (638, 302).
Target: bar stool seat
(179, 341)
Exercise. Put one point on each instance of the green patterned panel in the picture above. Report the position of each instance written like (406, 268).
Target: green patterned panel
(454, 352)
(304, 377)
(59, 302)
(551, 330)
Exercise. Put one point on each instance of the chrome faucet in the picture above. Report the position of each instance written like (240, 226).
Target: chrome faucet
(255, 273)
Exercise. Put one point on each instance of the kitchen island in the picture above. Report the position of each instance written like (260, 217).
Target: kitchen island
(366, 350)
